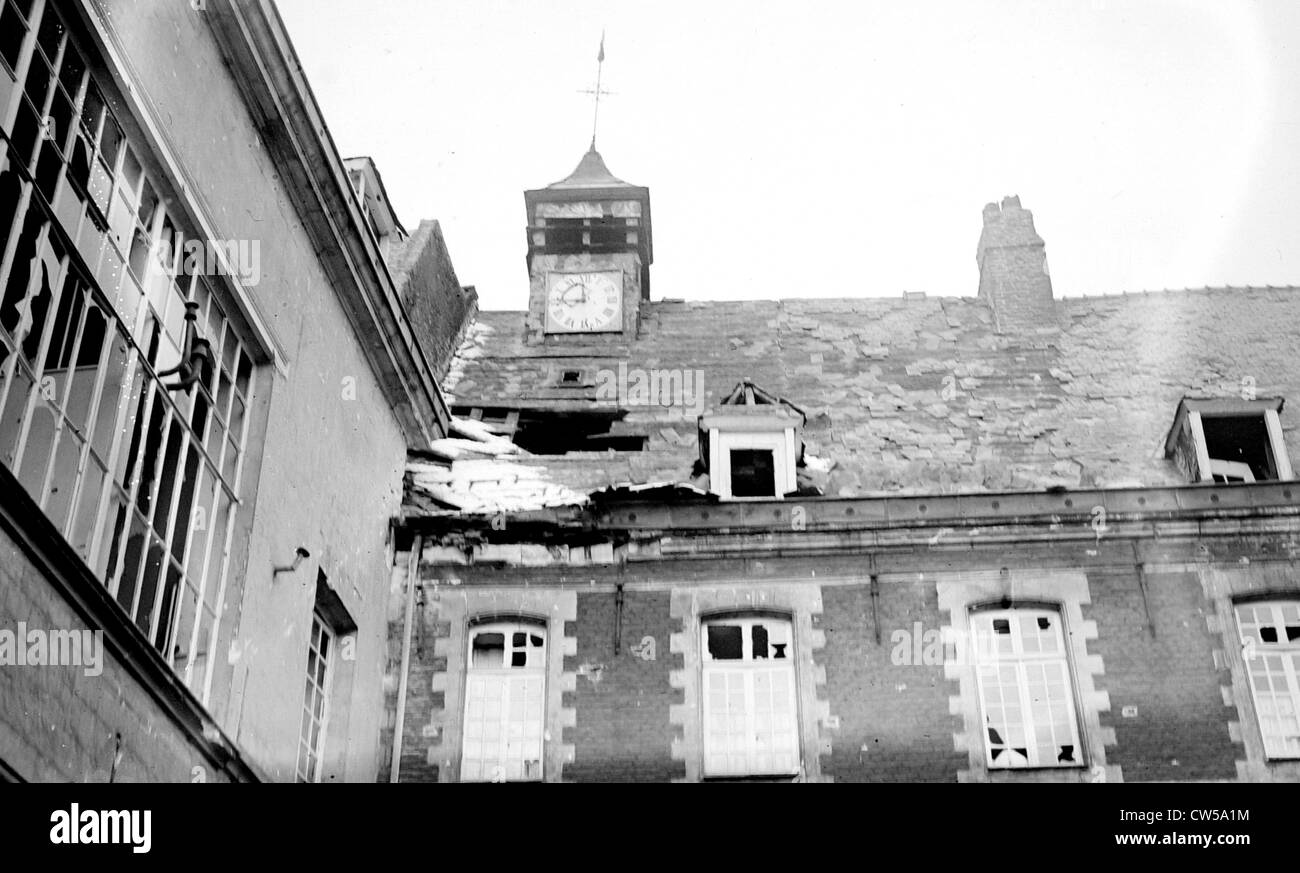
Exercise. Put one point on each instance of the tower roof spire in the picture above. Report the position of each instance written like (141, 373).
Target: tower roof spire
(591, 172)
(597, 92)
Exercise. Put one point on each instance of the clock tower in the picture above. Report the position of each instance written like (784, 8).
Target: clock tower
(589, 256)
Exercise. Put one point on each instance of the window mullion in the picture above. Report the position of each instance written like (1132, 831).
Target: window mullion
(168, 419)
(132, 488)
(221, 594)
(210, 543)
(19, 222)
(327, 645)
(7, 369)
(122, 414)
(1292, 675)
(47, 331)
(62, 422)
(169, 532)
(24, 64)
(1026, 713)
(92, 418)
(750, 717)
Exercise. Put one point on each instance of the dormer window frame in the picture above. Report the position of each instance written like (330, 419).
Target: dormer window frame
(770, 432)
(1188, 434)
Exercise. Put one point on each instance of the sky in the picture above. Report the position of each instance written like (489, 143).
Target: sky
(836, 149)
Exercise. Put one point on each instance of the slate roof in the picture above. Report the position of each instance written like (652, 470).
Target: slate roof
(905, 395)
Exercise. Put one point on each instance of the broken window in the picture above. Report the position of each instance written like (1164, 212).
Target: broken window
(504, 703)
(752, 473)
(1229, 440)
(750, 710)
(1270, 633)
(559, 431)
(1026, 697)
(141, 481)
(1238, 448)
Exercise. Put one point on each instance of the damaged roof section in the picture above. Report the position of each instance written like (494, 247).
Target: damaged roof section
(477, 470)
(910, 395)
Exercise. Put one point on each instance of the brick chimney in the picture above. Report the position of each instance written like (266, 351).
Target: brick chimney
(1013, 269)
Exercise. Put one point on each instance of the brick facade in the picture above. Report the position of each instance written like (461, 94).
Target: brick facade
(1146, 619)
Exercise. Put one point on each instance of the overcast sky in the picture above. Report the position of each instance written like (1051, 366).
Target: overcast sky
(836, 148)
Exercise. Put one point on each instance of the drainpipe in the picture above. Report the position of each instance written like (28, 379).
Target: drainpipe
(412, 580)
(618, 616)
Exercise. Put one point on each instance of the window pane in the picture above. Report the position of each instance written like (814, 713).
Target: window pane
(753, 473)
(488, 650)
(725, 642)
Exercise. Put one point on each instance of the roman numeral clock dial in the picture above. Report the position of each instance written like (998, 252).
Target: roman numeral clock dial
(584, 302)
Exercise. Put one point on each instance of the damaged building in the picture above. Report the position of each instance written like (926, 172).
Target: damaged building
(991, 537)
(209, 381)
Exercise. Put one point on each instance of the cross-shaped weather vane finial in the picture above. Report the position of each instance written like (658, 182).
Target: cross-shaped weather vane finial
(597, 92)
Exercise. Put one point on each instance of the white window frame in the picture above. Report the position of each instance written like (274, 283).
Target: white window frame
(781, 443)
(1275, 665)
(514, 688)
(320, 647)
(750, 676)
(994, 667)
(1190, 422)
(174, 598)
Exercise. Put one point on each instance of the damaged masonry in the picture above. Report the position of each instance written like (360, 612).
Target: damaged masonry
(1034, 475)
(299, 510)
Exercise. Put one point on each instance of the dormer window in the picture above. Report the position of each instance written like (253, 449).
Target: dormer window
(750, 445)
(1229, 440)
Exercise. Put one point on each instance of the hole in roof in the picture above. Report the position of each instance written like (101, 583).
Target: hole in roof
(996, 505)
(1214, 498)
(570, 376)
(849, 511)
(560, 431)
(631, 516)
(1069, 503)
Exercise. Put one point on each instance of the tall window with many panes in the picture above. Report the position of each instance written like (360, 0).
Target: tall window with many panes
(316, 700)
(1026, 695)
(141, 479)
(751, 714)
(505, 702)
(1270, 633)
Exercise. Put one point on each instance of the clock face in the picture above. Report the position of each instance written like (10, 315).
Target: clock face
(584, 302)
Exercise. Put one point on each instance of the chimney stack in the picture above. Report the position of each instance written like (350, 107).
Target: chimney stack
(1012, 258)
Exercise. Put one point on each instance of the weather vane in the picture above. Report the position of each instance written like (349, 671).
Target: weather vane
(597, 92)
